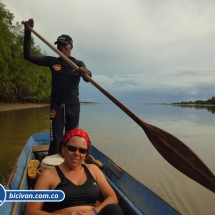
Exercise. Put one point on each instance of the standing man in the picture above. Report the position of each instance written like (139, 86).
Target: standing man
(64, 105)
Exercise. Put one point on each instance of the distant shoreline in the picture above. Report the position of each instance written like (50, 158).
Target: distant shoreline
(199, 105)
(18, 106)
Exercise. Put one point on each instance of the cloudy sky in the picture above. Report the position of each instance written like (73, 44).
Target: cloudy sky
(138, 50)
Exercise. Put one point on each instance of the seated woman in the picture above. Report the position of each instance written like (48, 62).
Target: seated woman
(82, 184)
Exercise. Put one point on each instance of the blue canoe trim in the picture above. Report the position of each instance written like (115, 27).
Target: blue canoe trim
(134, 197)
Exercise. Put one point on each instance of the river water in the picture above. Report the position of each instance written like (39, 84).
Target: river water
(120, 138)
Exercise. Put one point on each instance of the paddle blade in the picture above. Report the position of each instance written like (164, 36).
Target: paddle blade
(171, 148)
(180, 156)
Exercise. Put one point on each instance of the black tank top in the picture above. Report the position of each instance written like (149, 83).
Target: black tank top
(75, 195)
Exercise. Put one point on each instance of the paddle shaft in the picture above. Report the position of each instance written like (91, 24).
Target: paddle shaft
(172, 149)
(105, 92)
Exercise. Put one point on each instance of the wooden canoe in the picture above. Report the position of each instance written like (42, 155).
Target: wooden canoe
(134, 198)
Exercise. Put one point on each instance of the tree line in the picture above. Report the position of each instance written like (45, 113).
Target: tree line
(199, 102)
(20, 80)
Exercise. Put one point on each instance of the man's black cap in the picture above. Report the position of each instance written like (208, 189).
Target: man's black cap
(64, 39)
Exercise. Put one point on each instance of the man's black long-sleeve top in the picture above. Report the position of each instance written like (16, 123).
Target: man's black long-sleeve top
(65, 84)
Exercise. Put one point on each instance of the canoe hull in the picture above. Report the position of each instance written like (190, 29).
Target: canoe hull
(134, 197)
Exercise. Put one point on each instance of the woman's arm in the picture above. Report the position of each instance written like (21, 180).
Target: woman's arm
(44, 182)
(105, 189)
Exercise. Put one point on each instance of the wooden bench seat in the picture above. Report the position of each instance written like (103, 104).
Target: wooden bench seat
(40, 148)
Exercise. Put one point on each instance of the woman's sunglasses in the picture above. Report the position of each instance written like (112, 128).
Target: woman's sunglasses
(74, 149)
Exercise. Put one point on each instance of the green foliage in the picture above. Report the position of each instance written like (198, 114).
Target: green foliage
(20, 80)
(199, 102)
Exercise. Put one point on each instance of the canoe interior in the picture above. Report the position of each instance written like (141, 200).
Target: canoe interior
(134, 198)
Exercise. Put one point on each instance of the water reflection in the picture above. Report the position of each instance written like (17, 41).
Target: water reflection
(16, 127)
(115, 134)
(199, 107)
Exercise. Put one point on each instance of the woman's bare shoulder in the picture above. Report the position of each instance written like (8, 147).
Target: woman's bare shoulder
(92, 167)
(49, 171)
(94, 170)
(48, 179)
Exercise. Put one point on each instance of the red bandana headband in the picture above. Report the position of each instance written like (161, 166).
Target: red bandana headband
(77, 132)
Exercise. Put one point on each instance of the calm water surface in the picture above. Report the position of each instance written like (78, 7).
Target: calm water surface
(119, 137)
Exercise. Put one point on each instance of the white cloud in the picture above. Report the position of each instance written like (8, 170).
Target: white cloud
(158, 47)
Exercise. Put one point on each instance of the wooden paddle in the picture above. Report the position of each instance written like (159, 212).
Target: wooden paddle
(172, 149)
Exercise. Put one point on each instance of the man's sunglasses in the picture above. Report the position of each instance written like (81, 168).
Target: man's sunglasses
(62, 44)
(74, 149)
